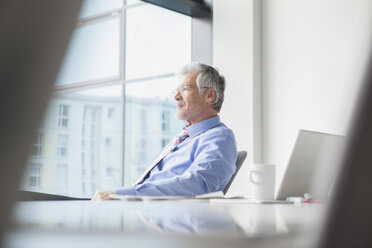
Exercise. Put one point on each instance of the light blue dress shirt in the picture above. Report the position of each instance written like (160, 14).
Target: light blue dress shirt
(202, 163)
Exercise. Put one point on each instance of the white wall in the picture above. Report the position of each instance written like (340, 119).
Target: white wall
(234, 24)
(202, 44)
(314, 53)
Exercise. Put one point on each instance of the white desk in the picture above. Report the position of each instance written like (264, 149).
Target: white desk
(157, 224)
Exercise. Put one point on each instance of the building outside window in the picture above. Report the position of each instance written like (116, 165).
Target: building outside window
(62, 176)
(37, 147)
(109, 171)
(143, 121)
(62, 149)
(34, 176)
(165, 121)
(63, 115)
(111, 113)
(108, 142)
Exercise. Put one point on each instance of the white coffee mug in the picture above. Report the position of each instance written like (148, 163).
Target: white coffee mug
(262, 181)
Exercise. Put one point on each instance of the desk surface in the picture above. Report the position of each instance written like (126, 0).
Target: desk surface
(144, 224)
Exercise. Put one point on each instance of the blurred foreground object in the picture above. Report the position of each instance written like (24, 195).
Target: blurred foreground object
(34, 37)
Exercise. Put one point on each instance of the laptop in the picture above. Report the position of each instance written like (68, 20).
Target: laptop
(312, 165)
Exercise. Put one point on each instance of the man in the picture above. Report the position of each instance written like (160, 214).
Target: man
(202, 159)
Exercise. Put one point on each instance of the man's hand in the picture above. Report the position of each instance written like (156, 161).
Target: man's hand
(103, 195)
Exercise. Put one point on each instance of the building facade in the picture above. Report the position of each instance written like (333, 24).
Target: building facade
(81, 148)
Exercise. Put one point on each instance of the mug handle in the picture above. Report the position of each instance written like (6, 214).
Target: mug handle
(251, 176)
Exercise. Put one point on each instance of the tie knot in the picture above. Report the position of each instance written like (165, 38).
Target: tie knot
(183, 135)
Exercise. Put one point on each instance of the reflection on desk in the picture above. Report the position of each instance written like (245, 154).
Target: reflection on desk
(200, 219)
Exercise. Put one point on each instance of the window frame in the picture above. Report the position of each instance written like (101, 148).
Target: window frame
(165, 115)
(38, 146)
(33, 175)
(61, 146)
(62, 117)
(65, 184)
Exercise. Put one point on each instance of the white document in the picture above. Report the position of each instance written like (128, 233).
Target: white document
(204, 197)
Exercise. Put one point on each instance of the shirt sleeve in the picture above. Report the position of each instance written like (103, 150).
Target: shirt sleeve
(212, 167)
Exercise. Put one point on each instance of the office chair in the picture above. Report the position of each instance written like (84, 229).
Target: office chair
(239, 162)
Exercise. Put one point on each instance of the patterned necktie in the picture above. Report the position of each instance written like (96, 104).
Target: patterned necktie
(169, 148)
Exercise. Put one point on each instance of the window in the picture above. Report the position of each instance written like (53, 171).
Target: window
(37, 147)
(92, 159)
(62, 146)
(93, 187)
(158, 44)
(34, 175)
(109, 171)
(94, 52)
(113, 87)
(63, 115)
(62, 176)
(165, 121)
(108, 142)
(111, 113)
(143, 121)
(83, 188)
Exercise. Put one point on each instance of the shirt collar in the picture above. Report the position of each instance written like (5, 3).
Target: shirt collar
(203, 126)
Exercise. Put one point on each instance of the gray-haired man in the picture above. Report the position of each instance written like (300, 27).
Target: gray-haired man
(202, 159)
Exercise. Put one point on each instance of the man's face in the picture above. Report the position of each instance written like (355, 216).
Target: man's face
(191, 106)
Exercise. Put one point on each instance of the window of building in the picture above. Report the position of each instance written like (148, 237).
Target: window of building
(83, 188)
(111, 113)
(37, 147)
(62, 176)
(165, 121)
(109, 171)
(93, 187)
(62, 147)
(63, 115)
(93, 144)
(34, 176)
(143, 121)
(92, 159)
(108, 142)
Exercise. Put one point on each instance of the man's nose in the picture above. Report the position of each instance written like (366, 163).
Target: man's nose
(178, 96)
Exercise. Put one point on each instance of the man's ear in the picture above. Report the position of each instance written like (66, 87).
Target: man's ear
(211, 95)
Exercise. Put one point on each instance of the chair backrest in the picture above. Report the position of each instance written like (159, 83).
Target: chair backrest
(239, 162)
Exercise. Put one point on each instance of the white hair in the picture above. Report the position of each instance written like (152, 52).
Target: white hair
(208, 78)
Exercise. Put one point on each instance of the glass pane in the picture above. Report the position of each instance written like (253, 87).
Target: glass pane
(158, 41)
(145, 104)
(85, 157)
(32, 180)
(93, 53)
(132, 2)
(62, 176)
(94, 7)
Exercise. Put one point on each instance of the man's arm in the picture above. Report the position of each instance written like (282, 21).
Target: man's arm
(212, 168)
